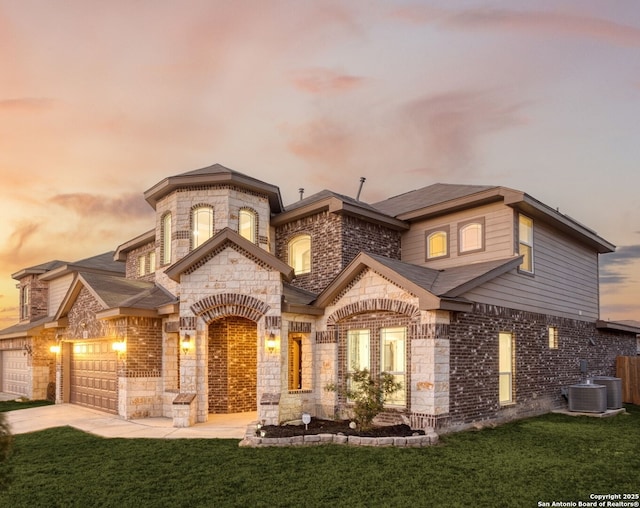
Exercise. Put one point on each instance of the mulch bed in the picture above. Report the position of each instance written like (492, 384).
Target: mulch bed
(319, 426)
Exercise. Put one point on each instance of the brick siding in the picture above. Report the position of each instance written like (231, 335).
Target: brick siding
(539, 372)
(232, 365)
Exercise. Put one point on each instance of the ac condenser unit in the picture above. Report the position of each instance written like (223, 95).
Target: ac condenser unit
(588, 398)
(614, 390)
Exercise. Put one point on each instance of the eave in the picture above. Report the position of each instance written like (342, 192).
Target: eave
(298, 308)
(143, 239)
(619, 327)
(335, 205)
(117, 312)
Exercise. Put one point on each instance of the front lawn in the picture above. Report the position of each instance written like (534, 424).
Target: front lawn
(546, 459)
(18, 403)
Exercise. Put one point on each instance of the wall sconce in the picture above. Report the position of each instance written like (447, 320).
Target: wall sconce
(28, 350)
(119, 347)
(54, 349)
(186, 344)
(271, 343)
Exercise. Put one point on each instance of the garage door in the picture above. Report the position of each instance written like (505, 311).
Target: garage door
(93, 376)
(15, 375)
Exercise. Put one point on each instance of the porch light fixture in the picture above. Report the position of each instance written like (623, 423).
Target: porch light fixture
(271, 343)
(55, 349)
(119, 347)
(186, 344)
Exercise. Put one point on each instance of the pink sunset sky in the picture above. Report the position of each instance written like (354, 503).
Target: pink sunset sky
(101, 100)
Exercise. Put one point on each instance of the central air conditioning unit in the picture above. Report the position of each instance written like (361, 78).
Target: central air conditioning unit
(614, 390)
(588, 398)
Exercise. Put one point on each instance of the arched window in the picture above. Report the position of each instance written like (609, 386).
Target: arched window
(438, 243)
(471, 236)
(248, 224)
(201, 225)
(300, 254)
(165, 239)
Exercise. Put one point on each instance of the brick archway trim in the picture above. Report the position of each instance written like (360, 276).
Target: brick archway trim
(229, 304)
(371, 305)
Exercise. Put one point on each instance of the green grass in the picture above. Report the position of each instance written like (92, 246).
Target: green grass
(550, 458)
(13, 405)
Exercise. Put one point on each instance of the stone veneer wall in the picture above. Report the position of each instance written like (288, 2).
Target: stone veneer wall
(131, 265)
(38, 297)
(540, 372)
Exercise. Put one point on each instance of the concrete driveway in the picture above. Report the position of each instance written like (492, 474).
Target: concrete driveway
(228, 426)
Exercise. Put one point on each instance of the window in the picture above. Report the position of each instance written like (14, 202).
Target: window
(393, 358)
(152, 261)
(300, 254)
(525, 242)
(295, 363)
(165, 253)
(358, 351)
(471, 236)
(142, 268)
(553, 337)
(247, 224)
(25, 301)
(437, 243)
(505, 367)
(201, 225)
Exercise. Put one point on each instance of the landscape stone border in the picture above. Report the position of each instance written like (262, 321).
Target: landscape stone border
(251, 440)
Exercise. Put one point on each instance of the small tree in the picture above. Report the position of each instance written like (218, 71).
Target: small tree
(6, 440)
(367, 393)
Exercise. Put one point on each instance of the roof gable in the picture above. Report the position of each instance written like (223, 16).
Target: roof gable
(219, 240)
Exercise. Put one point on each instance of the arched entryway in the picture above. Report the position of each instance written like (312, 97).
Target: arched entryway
(233, 365)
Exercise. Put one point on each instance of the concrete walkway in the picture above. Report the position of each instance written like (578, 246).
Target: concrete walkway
(228, 426)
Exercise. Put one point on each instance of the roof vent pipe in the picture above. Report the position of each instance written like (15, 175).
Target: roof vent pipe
(301, 191)
(362, 180)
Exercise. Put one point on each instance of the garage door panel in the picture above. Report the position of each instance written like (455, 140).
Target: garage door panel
(14, 372)
(93, 376)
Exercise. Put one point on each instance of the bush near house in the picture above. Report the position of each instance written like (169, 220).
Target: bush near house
(367, 393)
(6, 441)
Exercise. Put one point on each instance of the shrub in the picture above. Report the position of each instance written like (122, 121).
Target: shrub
(367, 393)
(6, 441)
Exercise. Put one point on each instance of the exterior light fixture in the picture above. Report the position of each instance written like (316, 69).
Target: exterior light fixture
(119, 347)
(271, 343)
(186, 344)
(54, 349)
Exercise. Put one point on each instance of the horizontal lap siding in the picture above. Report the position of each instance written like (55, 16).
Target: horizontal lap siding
(499, 241)
(565, 282)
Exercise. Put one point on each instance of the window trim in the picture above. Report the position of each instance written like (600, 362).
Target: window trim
(142, 265)
(509, 373)
(193, 223)
(480, 221)
(292, 262)
(25, 302)
(528, 245)
(553, 335)
(254, 223)
(431, 232)
(165, 238)
(403, 390)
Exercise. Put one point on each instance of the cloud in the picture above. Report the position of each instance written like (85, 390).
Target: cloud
(449, 125)
(325, 81)
(536, 22)
(614, 266)
(92, 205)
(322, 141)
(26, 104)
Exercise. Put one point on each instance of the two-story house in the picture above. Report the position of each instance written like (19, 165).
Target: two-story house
(482, 301)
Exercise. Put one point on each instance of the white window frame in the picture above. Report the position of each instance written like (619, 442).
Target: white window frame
(252, 217)
(142, 265)
(166, 239)
(202, 225)
(398, 398)
(477, 224)
(300, 260)
(25, 302)
(506, 349)
(525, 245)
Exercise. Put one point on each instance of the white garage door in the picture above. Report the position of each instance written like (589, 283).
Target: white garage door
(15, 376)
(93, 376)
